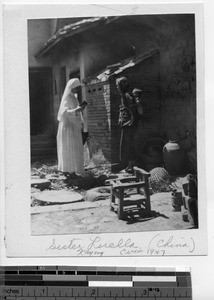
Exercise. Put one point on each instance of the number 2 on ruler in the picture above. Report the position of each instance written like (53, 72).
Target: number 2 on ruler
(93, 293)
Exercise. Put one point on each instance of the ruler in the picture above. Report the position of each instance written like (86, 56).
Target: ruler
(95, 283)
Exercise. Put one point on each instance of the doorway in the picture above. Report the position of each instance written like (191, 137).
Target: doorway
(41, 104)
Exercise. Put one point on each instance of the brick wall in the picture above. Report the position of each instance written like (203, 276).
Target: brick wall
(103, 103)
(99, 120)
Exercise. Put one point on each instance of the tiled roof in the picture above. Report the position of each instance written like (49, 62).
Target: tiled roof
(119, 68)
(70, 30)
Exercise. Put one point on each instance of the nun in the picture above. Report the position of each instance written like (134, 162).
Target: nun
(69, 135)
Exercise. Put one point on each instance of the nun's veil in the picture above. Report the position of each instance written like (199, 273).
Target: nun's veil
(71, 84)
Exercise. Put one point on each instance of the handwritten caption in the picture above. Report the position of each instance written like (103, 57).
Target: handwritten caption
(97, 246)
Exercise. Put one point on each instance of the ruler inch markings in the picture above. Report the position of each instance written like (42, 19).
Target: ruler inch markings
(95, 283)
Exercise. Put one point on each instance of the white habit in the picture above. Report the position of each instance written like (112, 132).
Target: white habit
(69, 136)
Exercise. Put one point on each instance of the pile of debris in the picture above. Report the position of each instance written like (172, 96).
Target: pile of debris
(45, 179)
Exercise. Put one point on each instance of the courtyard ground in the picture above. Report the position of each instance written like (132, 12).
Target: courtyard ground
(95, 217)
(98, 218)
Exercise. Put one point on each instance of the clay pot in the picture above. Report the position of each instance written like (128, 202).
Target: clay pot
(174, 158)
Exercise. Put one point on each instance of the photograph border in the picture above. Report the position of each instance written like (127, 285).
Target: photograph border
(19, 241)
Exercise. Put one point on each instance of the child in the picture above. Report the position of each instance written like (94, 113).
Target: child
(137, 93)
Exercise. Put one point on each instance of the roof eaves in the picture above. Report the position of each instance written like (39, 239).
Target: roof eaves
(118, 68)
(134, 62)
(71, 30)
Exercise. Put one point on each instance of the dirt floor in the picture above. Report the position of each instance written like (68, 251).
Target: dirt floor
(100, 219)
(96, 217)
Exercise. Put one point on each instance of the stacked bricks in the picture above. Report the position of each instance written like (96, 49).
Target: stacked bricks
(101, 123)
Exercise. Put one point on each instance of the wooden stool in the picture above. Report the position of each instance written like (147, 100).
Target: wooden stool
(130, 191)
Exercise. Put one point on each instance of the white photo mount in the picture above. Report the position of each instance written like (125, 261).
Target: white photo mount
(19, 241)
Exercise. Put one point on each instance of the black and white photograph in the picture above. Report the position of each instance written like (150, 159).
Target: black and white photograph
(112, 106)
(113, 124)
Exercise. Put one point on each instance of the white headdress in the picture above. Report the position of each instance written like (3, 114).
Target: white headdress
(71, 84)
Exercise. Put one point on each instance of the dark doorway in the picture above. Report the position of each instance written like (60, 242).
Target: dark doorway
(41, 105)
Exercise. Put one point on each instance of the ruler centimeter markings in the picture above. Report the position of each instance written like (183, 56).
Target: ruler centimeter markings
(95, 283)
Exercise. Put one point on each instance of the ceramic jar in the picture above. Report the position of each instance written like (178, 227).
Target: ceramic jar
(174, 158)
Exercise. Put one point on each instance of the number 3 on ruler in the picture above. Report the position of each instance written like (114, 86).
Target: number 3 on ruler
(144, 293)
